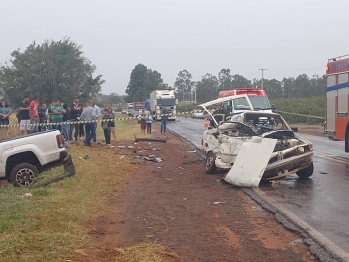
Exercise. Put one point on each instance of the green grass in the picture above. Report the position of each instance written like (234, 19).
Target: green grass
(49, 226)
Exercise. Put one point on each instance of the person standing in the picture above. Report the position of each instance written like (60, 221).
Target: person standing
(164, 118)
(24, 115)
(75, 114)
(220, 114)
(149, 121)
(88, 114)
(112, 128)
(107, 123)
(143, 121)
(42, 115)
(5, 113)
(34, 114)
(57, 112)
(66, 120)
(98, 114)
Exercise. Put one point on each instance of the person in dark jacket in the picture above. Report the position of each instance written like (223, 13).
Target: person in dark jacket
(75, 114)
(164, 118)
(220, 114)
(107, 124)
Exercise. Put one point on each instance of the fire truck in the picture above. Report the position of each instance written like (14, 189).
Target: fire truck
(257, 96)
(337, 97)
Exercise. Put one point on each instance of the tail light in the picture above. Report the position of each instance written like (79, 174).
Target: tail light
(60, 142)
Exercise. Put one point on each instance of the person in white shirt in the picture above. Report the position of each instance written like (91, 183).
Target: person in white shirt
(98, 115)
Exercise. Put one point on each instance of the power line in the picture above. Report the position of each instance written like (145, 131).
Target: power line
(262, 69)
(313, 68)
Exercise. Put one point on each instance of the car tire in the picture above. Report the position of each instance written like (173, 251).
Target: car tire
(23, 174)
(307, 172)
(210, 166)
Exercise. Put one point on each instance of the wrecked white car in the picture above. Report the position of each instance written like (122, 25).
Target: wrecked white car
(242, 139)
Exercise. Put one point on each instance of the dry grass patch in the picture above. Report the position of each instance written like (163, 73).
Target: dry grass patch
(48, 227)
(149, 252)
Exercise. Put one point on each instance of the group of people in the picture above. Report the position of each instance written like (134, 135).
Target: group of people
(59, 115)
(145, 119)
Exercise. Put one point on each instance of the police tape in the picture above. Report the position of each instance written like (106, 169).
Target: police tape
(302, 115)
(131, 118)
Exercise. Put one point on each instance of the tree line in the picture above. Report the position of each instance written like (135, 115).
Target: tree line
(143, 81)
(52, 70)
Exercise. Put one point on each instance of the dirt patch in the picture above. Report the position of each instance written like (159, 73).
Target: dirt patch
(196, 216)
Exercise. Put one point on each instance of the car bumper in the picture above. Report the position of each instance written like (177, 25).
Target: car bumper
(289, 165)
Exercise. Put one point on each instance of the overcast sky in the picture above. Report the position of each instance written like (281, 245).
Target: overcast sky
(202, 36)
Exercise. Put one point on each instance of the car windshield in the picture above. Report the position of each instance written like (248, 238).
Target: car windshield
(266, 122)
(259, 102)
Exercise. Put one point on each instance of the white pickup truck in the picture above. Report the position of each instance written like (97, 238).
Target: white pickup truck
(21, 156)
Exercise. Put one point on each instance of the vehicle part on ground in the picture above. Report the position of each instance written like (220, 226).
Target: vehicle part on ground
(23, 175)
(247, 173)
(210, 166)
(69, 170)
(307, 172)
(150, 139)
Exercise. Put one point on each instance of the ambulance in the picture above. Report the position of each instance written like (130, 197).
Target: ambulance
(258, 98)
(337, 97)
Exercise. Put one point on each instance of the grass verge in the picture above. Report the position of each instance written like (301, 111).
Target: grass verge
(48, 226)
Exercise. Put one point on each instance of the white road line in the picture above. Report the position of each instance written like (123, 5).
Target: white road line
(323, 241)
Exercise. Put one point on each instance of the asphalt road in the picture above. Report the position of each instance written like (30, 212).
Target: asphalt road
(321, 201)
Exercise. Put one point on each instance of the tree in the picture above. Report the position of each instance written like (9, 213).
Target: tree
(224, 79)
(135, 88)
(53, 70)
(142, 82)
(183, 85)
(153, 82)
(207, 88)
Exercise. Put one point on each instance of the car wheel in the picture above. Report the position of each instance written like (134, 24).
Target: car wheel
(210, 166)
(307, 172)
(23, 175)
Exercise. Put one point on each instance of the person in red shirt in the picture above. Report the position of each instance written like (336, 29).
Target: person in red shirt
(34, 114)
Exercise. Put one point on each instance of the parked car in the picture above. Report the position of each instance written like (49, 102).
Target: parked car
(198, 114)
(124, 112)
(291, 154)
(22, 156)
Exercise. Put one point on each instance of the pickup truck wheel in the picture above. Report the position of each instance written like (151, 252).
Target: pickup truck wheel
(210, 166)
(23, 175)
(307, 172)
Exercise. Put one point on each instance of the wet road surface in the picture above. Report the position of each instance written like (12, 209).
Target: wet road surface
(322, 200)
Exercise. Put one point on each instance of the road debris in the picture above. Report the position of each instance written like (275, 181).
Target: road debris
(193, 151)
(218, 202)
(27, 195)
(122, 156)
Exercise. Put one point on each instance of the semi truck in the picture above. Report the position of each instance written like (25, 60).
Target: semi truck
(337, 97)
(161, 98)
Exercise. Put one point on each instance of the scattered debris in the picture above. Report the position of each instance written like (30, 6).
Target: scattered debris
(151, 158)
(217, 203)
(86, 157)
(121, 147)
(192, 161)
(184, 198)
(323, 173)
(27, 195)
(150, 139)
(193, 151)
(150, 236)
(168, 178)
(122, 156)
(131, 147)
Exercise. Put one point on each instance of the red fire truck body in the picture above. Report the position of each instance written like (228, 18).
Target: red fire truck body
(337, 100)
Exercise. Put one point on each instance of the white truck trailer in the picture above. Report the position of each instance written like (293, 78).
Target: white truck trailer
(161, 98)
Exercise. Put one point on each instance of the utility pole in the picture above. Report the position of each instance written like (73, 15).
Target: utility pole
(262, 69)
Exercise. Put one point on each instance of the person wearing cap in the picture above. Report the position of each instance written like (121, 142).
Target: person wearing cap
(75, 114)
(220, 114)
